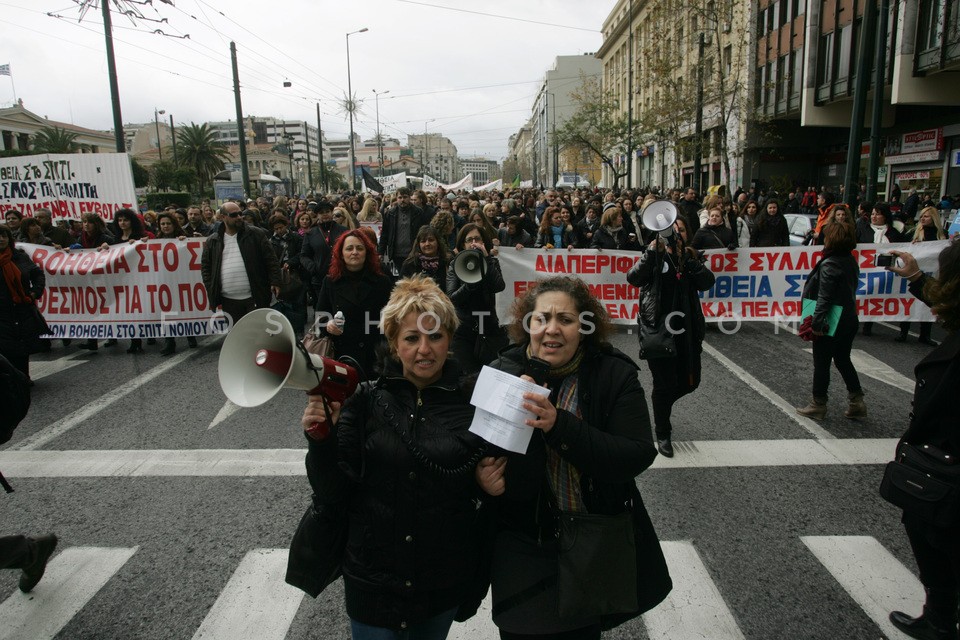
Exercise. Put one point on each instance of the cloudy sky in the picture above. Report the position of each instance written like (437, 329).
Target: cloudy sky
(474, 76)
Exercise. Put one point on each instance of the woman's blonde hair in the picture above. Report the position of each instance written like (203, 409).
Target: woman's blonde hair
(935, 215)
(369, 212)
(421, 295)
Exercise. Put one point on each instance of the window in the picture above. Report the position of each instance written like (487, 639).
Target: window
(761, 22)
(773, 12)
(728, 60)
(825, 59)
(929, 24)
(843, 53)
(708, 72)
(784, 13)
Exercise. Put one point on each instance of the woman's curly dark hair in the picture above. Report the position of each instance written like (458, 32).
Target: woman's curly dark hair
(944, 292)
(595, 325)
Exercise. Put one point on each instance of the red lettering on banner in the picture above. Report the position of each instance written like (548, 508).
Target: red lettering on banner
(588, 264)
(152, 295)
(119, 261)
(520, 287)
(622, 311)
(723, 262)
(866, 258)
(540, 266)
(39, 256)
(195, 250)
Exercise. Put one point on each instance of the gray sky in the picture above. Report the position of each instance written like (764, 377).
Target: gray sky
(474, 75)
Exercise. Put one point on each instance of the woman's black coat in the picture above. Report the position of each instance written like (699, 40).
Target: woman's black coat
(603, 239)
(770, 231)
(833, 281)
(361, 296)
(610, 446)
(710, 237)
(401, 461)
(476, 303)
(933, 420)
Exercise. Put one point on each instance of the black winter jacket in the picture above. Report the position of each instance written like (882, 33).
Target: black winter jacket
(770, 231)
(710, 237)
(610, 446)
(933, 420)
(407, 475)
(388, 233)
(259, 259)
(477, 303)
(834, 280)
(658, 291)
(361, 297)
(604, 239)
(316, 250)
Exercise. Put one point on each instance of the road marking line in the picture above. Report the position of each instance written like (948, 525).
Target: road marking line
(225, 412)
(43, 368)
(71, 579)
(694, 608)
(791, 412)
(871, 575)
(87, 463)
(68, 422)
(256, 603)
(479, 627)
(877, 369)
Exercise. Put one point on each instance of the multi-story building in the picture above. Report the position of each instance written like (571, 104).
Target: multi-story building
(778, 92)
(294, 134)
(483, 170)
(437, 155)
(552, 106)
(519, 154)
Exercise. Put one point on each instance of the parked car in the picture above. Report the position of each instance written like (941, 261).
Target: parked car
(800, 225)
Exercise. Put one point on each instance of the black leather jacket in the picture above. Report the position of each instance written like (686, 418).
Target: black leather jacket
(833, 280)
(661, 292)
(477, 302)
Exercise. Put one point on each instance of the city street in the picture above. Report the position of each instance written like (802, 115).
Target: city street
(174, 508)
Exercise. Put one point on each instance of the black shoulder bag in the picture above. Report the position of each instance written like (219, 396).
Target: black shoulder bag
(657, 341)
(924, 481)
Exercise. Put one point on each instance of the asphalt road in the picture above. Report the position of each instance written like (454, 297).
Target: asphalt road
(173, 510)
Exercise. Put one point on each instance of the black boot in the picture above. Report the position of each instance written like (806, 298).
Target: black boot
(665, 447)
(192, 342)
(904, 331)
(169, 346)
(136, 346)
(42, 548)
(938, 620)
(868, 328)
(89, 344)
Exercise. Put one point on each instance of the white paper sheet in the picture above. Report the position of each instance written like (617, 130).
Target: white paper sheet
(500, 416)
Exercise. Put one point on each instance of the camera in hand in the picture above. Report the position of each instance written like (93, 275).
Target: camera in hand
(884, 260)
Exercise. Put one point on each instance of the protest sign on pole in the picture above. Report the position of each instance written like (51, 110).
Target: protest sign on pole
(751, 284)
(69, 184)
(143, 290)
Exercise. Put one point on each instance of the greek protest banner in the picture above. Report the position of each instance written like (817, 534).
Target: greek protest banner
(143, 290)
(392, 183)
(496, 185)
(751, 284)
(431, 184)
(70, 185)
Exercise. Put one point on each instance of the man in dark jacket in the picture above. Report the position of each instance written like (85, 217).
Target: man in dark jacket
(240, 269)
(196, 227)
(318, 245)
(690, 208)
(400, 226)
(30, 555)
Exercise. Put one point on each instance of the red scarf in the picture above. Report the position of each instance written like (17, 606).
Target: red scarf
(13, 278)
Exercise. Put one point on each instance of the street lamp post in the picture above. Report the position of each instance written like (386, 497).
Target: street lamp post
(288, 139)
(376, 99)
(156, 124)
(173, 134)
(350, 107)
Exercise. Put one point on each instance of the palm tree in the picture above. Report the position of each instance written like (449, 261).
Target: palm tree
(55, 140)
(198, 148)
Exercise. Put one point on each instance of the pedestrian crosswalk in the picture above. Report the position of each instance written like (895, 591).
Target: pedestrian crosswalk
(256, 603)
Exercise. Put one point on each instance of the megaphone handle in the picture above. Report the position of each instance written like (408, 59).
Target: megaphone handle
(320, 431)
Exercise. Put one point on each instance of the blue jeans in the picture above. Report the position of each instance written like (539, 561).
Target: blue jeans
(435, 628)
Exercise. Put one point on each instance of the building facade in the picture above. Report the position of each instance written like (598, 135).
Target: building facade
(437, 155)
(18, 126)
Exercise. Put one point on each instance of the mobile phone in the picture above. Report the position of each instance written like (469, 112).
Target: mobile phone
(537, 369)
(884, 260)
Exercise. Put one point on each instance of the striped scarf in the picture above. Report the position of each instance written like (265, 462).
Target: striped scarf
(563, 477)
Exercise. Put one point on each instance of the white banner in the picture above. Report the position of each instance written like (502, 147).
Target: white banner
(147, 289)
(496, 185)
(751, 284)
(526, 184)
(431, 184)
(69, 184)
(392, 183)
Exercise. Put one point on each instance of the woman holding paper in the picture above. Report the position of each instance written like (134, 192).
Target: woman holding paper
(833, 285)
(591, 439)
(398, 466)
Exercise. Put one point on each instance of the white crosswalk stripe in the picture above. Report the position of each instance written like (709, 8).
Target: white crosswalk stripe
(71, 579)
(256, 603)
(876, 580)
(695, 608)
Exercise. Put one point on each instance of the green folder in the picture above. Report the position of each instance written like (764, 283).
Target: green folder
(833, 314)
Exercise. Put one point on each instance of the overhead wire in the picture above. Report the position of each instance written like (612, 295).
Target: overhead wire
(494, 15)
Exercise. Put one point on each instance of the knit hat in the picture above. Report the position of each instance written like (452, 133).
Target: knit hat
(608, 205)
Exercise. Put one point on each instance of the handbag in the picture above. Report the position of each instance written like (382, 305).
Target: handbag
(596, 565)
(318, 343)
(291, 286)
(318, 546)
(657, 341)
(924, 482)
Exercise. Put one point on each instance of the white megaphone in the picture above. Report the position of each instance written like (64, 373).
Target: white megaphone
(261, 355)
(659, 216)
(470, 266)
